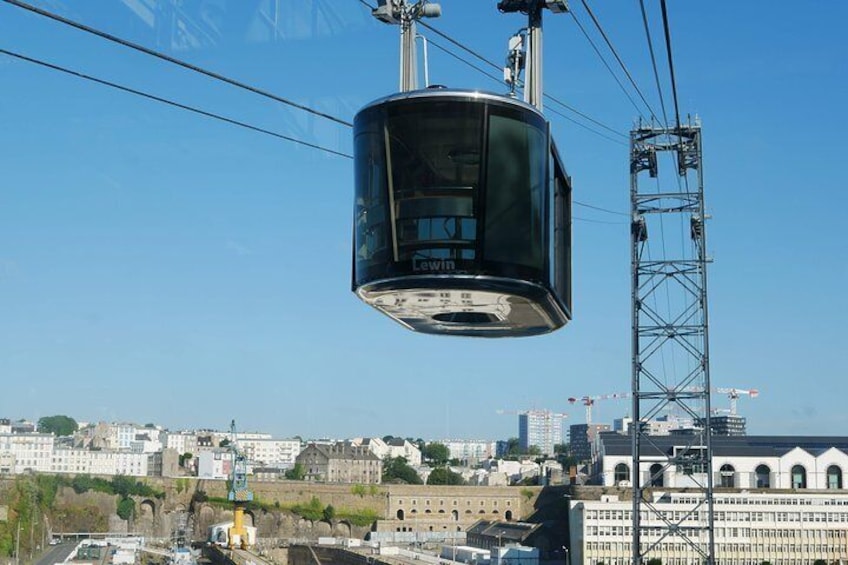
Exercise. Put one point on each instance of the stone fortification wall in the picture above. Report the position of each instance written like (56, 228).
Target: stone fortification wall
(399, 507)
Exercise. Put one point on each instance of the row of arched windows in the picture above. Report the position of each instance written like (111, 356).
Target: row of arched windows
(401, 514)
(727, 476)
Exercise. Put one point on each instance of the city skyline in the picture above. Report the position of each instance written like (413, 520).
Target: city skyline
(159, 265)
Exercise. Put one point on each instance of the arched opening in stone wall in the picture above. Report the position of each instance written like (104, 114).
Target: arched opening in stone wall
(400, 514)
(205, 517)
(342, 529)
(145, 517)
(249, 518)
(508, 515)
(455, 515)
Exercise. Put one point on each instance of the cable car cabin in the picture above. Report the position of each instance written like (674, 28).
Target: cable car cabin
(462, 222)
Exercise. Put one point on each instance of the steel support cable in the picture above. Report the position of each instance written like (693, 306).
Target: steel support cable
(653, 61)
(670, 61)
(585, 117)
(171, 102)
(618, 58)
(499, 79)
(231, 121)
(558, 113)
(499, 68)
(173, 60)
(606, 64)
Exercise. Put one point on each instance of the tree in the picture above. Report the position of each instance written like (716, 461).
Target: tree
(123, 485)
(329, 513)
(185, 458)
(534, 450)
(562, 448)
(396, 469)
(126, 508)
(224, 443)
(655, 561)
(436, 453)
(82, 483)
(444, 476)
(57, 425)
(513, 447)
(296, 473)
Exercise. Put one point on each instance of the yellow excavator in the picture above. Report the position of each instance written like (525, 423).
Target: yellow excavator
(239, 494)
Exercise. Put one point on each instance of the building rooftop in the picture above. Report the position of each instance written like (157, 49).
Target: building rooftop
(615, 443)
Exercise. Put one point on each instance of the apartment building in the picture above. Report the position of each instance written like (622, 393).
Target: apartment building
(26, 452)
(541, 429)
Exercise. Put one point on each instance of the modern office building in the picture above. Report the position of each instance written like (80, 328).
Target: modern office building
(728, 425)
(583, 439)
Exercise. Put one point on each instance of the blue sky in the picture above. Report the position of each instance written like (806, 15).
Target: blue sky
(159, 266)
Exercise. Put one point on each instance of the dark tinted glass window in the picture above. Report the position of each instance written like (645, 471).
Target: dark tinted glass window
(434, 155)
(371, 228)
(515, 188)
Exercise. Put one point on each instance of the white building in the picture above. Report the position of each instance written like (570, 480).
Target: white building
(515, 471)
(776, 462)
(470, 449)
(750, 528)
(395, 447)
(144, 444)
(661, 426)
(217, 464)
(540, 428)
(99, 462)
(30, 452)
(278, 453)
(122, 435)
(241, 436)
(181, 442)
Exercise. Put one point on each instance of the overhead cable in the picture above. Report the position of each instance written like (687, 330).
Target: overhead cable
(670, 61)
(653, 61)
(499, 79)
(618, 58)
(604, 61)
(173, 60)
(593, 207)
(171, 102)
(570, 119)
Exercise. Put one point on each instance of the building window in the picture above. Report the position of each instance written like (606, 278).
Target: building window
(656, 475)
(799, 476)
(726, 476)
(763, 475)
(834, 477)
(622, 473)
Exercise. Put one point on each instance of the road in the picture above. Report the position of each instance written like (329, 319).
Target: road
(55, 553)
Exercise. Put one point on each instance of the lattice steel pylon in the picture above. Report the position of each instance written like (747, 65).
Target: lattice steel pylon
(670, 370)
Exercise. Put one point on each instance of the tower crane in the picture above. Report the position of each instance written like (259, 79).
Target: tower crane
(589, 401)
(239, 494)
(734, 393)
